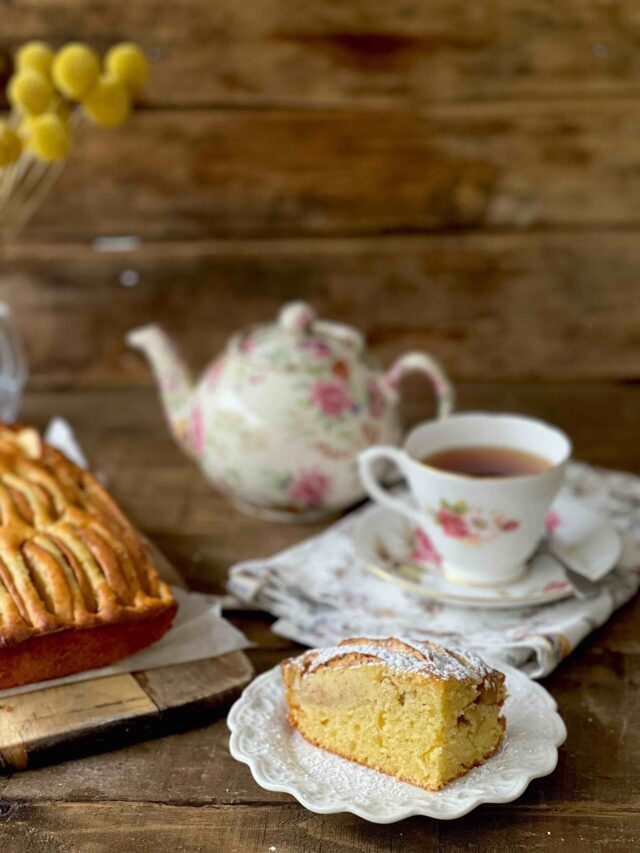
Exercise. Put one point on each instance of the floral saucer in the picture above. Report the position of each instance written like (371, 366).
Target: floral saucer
(281, 760)
(395, 550)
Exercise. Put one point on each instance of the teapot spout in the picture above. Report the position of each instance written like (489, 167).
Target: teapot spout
(173, 377)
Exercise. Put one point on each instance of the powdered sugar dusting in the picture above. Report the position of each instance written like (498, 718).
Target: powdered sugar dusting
(402, 655)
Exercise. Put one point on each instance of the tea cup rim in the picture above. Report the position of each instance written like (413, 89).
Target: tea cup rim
(558, 433)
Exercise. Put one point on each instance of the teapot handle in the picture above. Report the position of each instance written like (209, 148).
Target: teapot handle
(420, 362)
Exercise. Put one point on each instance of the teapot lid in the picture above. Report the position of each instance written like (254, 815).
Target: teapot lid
(299, 341)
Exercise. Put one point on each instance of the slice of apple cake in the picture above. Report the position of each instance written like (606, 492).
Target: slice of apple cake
(414, 710)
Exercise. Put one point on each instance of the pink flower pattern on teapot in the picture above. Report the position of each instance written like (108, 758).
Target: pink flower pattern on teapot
(278, 420)
(331, 397)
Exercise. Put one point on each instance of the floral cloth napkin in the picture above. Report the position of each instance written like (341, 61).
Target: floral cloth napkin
(321, 592)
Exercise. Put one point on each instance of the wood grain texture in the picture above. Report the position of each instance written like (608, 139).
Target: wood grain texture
(499, 306)
(237, 172)
(148, 827)
(176, 688)
(71, 720)
(273, 51)
(35, 721)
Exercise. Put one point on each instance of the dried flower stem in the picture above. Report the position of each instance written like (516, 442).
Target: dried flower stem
(25, 183)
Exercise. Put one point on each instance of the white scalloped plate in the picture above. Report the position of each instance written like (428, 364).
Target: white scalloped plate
(281, 760)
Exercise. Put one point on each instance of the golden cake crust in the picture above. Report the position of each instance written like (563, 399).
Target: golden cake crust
(69, 558)
(422, 658)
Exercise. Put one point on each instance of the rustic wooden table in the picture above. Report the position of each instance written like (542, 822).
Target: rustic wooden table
(185, 792)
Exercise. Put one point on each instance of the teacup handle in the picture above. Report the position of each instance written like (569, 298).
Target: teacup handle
(420, 362)
(366, 462)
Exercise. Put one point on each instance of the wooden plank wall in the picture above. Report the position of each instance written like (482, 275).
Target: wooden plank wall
(459, 176)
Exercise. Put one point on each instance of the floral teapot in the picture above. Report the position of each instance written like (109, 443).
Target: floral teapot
(277, 421)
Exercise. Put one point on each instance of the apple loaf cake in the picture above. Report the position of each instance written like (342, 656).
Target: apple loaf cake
(414, 710)
(78, 588)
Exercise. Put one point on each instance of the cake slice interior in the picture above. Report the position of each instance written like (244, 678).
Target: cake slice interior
(416, 711)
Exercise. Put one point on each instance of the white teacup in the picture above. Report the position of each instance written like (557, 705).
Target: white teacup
(483, 528)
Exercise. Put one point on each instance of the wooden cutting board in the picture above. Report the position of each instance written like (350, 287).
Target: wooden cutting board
(58, 723)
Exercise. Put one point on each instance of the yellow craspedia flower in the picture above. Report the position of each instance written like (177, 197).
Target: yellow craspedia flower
(128, 64)
(109, 103)
(35, 54)
(57, 106)
(25, 126)
(49, 138)
(75, 70)
(61, 108)
(10, 145)
(30, 91)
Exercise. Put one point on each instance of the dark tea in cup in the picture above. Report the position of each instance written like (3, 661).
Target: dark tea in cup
(487, 461)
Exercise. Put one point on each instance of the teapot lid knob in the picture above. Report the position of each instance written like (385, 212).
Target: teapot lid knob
(296, 317)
